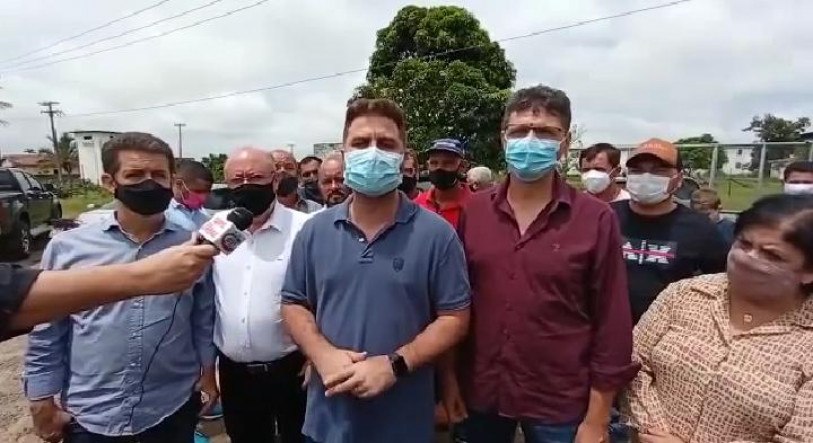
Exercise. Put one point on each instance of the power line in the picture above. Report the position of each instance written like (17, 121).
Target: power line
(83, 33)
(122, 34)
(152, 37)
(360, 70)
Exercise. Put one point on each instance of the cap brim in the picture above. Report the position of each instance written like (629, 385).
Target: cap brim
(439, 149)
(649, 155)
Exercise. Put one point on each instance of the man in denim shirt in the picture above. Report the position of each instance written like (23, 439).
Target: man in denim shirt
(129, 369)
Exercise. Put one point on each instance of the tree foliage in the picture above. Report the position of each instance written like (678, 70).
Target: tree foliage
(770, 128)
(448, 76)
(699, 157)
(68, 153)
(4, 105)
(215, 162)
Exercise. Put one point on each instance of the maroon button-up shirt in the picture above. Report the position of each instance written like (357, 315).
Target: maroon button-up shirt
(550, 309)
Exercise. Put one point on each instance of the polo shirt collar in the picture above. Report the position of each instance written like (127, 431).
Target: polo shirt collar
(406, 210)
(462, 196)
(561, 194)
(112, 223)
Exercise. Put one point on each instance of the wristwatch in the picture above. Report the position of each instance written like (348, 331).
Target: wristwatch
(399, 366)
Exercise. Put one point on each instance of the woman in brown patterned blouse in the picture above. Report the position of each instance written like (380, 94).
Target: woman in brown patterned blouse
(729, 357)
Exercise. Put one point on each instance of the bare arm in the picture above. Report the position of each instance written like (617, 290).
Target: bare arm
(59, 293)
(301, 325)
(439, 337)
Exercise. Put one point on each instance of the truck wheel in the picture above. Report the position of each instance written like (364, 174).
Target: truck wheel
(20, 245)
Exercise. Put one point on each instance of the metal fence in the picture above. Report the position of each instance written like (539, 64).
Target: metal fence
(760, 165)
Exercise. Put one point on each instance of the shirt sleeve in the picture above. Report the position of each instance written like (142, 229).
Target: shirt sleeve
(450, 289)
(203, 319)
(800, 427)
(640, 403)
(611, 365)
(15, 283)
(45, 368)
(298, 286)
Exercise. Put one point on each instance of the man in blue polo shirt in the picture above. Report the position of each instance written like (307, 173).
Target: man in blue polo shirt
(376, 291)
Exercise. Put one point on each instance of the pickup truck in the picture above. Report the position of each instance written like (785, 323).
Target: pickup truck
(26, 210)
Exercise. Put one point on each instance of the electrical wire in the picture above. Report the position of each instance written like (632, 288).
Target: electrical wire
(152, 37)
(83, 33)
(360, 70)
(122, 34)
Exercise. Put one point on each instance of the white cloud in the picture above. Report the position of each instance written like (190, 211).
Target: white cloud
(703, 66)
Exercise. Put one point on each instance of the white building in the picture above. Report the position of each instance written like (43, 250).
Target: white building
(323, 149)
(739, 159)
(89, 150)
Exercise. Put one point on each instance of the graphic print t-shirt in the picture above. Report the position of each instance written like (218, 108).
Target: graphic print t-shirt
(664, 249)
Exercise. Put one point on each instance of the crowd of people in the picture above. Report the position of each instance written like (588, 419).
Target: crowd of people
(362, 309)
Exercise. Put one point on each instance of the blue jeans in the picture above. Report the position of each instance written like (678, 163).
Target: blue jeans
(492, 428)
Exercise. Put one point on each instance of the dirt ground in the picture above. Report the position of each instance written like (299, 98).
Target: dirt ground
(15, 422)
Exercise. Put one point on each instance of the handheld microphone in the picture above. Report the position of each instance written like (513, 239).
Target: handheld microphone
(226, 233)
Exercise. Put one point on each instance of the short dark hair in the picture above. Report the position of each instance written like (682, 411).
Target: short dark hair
(133, 141)
(792, 213)
(287, 186)
(798, 166)
(308, 159)
(380, 107)
(194, 170)
(540, 97)
(613, 154)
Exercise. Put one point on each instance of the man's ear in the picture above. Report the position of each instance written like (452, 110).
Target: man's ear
(564, 148)
(109, 183)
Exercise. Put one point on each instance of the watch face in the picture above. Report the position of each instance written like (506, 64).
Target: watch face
(399, 367)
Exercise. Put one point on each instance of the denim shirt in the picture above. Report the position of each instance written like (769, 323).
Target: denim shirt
(189, 219)
(106, 363)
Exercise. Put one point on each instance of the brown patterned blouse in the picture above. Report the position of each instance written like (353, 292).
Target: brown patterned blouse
(705, 383)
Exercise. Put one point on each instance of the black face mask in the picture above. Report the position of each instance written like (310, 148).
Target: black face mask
(255, 198)
(312, 192)
(145, 198)
(408, 184)
(443, 179)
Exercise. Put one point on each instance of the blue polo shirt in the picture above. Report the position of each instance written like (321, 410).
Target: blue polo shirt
(376, 296)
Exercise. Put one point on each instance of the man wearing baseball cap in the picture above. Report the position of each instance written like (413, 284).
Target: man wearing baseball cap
(448, 194)
(663, 241)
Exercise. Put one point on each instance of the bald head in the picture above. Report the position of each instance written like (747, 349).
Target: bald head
(331, 179)
(284, 161)
(249, 164)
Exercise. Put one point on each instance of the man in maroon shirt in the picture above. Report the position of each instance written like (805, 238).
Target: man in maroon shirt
(551, 340)
(448, 194)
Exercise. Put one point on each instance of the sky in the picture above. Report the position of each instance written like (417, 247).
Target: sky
(697, 67)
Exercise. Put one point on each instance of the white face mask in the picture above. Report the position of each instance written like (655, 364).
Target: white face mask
(648, 189)
(798, 188)
(595, 182)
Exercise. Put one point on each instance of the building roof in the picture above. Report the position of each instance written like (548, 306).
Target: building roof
(95, 132)
(807, 136)
(23, 160)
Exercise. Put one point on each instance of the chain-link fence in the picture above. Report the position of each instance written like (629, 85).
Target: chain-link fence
(741, 173)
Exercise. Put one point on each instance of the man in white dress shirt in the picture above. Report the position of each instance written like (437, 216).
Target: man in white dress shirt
(259, 364)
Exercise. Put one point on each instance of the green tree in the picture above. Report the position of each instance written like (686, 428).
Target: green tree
(700, 157)
(770, 128)
(448, 76)
(215, 164)
(4, 105)
(68, 155)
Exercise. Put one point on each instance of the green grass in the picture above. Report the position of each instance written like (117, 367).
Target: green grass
(739, 194)
(76, 204)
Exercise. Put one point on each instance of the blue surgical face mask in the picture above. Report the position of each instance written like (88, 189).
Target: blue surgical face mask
(531, 158)
(372, 172)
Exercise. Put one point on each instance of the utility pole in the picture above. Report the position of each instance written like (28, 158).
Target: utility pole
(180, 139)
(51, 112)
